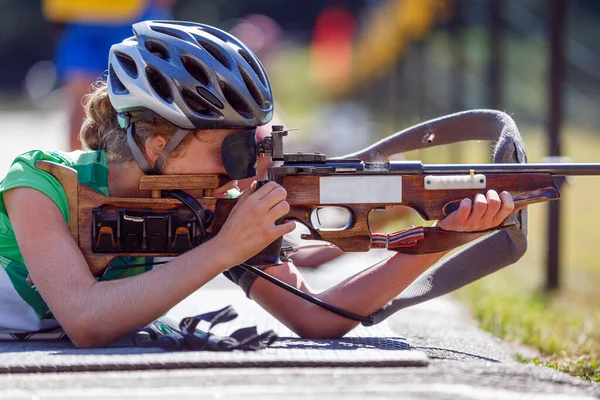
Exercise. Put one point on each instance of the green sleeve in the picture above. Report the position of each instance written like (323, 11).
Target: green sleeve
(23, 173)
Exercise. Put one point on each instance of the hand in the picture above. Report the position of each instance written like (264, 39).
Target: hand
(484, 212)
(251, 226)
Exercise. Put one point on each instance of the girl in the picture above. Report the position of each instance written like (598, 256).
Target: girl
(173, 93)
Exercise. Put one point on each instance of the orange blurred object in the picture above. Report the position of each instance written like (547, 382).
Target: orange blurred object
(331, 50)
(107, 11)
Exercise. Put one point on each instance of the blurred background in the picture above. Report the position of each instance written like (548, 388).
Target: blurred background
(349, 72)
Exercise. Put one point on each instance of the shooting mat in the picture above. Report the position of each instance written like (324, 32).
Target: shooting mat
(376, 346)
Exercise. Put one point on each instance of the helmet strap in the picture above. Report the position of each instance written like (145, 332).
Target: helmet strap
(138, 155)
(177, 137)
(126, 121)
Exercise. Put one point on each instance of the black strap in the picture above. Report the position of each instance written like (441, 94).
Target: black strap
(203, 217)
(306, 296)
(161, 333)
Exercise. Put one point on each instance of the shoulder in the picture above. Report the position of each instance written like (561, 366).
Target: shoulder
(23, 173)
(24, 166)
(23, 169)
(70, 159)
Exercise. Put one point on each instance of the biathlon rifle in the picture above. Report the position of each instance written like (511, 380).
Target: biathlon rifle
(169, 222)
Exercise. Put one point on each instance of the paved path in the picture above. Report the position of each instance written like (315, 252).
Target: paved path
(465, 363)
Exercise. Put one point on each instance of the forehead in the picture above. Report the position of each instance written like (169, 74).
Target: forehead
(213, 136)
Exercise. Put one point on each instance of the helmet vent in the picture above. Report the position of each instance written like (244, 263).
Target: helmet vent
(252, 88)
(116, 85)
(255, 67)
(127, 63)
(214, 51)
(195, 69)
(159, 84)
(236, 100)
(197, 103)
(216, 33)
(166, 31)
(157, 48)
(208, 96)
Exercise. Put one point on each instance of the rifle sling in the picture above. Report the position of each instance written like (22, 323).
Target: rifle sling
(428, 240)
(482, 257)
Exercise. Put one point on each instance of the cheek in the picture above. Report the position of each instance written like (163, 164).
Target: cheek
(205, 164)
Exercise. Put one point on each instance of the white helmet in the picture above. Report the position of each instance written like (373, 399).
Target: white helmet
(193, 75)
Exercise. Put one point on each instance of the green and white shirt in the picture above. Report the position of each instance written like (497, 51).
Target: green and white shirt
(22, 308)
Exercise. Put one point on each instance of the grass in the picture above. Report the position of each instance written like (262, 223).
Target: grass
(566, 333)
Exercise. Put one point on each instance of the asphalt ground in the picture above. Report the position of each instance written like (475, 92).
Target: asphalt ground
(464, 362)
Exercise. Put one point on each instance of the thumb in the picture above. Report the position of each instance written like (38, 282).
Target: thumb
(458, 216)
(251, 189)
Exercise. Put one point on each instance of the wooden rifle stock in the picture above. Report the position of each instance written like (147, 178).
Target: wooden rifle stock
(304, 193)
(303, 196)
(83, 200)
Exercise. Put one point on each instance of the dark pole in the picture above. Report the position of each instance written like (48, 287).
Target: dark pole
(459, 64)
(556, 34)
(419, 76)
(495, 63)
(458, 87)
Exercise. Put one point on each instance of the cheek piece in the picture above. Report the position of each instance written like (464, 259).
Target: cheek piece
(239, 153)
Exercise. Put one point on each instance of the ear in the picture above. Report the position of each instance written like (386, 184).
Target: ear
(154, 146)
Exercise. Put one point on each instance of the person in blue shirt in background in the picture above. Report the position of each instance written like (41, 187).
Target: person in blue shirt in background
(88, 29)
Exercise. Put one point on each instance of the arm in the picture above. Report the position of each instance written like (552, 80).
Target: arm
(367, 291)
(363, 294)
(96, 313)
(313, 258)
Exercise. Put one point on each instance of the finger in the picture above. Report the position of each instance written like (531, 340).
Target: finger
(278, 211)
(459, 216)
(221, 192)
(242, 199)
(479, 208)
(267, 188)
(274, 197)
(508, 206)
(493, 206)
(284, 228)
(251, 189)
(464, 210)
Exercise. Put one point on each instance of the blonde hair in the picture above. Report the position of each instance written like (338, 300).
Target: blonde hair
(101, 131)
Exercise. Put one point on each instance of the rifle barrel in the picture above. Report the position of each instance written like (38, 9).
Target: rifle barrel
(559, 169)
(418, 168)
